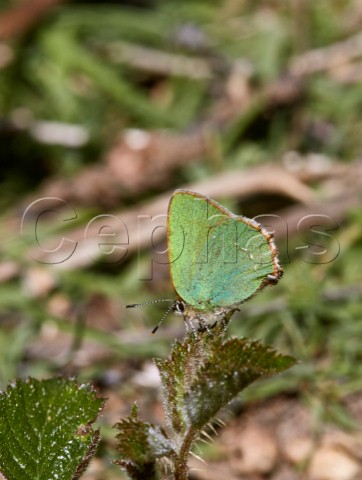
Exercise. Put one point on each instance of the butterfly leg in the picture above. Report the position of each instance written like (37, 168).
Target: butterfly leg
(202, 325)
(189, 325)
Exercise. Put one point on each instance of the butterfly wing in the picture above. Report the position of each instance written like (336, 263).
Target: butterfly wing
(217, 259)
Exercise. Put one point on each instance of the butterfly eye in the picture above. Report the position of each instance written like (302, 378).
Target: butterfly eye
(179, 307)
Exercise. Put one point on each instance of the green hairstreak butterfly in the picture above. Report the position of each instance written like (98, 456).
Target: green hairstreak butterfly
(217, 259)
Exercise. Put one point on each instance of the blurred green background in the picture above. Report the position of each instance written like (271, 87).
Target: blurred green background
(110, 106)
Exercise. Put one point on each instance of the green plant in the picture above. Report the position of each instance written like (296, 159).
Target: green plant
(46, 429)
(46, 426)
(202, 375)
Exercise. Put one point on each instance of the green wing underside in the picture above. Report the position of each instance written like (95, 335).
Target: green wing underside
(217, 259)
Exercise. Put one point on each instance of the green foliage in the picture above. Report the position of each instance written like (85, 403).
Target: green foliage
(140, 444)
(64, 70)
(46, 429)
(230, 367)
(177, 374)
(205, 372)
(202, 375)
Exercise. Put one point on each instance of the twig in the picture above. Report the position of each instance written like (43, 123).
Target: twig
(334, 207)
(326, 58)
(159, 62)
(265, 179)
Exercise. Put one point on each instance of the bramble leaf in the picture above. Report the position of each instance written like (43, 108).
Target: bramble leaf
(231, 366)
(46, 429)
(177, 373)
(205, 372)
(140, 444)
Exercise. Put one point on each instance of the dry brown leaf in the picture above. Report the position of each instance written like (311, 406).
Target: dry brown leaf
(18, 19)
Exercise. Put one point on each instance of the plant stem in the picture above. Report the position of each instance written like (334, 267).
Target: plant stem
(181, 460)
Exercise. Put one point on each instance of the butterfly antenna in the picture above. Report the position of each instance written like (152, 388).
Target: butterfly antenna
(134, 305)
(162, 319)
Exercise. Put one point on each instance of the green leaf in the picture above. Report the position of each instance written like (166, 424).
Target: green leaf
(140, 445)
(45, 429)
(231, 366)
(177, 373)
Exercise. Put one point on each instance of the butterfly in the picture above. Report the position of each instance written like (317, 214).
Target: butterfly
(218, 260)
